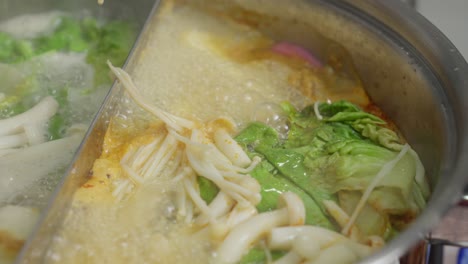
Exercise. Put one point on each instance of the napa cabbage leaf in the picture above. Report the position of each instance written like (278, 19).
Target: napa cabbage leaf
(334, 155)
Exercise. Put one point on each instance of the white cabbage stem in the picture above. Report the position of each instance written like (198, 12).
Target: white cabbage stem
(39, 113)
(387, 168)
(420, 174)
(243, 236)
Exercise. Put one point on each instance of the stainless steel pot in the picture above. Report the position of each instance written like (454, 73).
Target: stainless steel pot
(408, 68)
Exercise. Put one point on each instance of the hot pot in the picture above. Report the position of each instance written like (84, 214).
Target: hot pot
(408, 67)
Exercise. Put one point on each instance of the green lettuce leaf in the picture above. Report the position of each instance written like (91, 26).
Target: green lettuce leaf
(14, 50)
(258, 139)
(368, 125)
(68, 36)
(113, 42)
(336, 158)
(208, 190)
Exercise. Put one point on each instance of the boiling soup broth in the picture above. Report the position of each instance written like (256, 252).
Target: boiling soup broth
(54, 77)
(231, 146)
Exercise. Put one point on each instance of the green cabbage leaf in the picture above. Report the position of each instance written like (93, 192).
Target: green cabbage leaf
(334, 154)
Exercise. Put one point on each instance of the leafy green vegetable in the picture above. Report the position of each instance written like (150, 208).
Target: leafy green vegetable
(14, 50)
(258, 137)
(68, 36)
(349, 148)
(208, 190)
(59, 121)
(337, 156)
(273, 184)
(110, 41)
(21, 96)
(10, 106)
(368, 125)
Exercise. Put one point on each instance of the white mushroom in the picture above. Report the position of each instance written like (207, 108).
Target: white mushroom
(190, 149)
(19, 169)
(175, 122)
(13, 141)
(230, 148)
(312, 244)
(342, 218)
(220, 206)
(339, 253)
(239, 214)
(35, 132)
(39, 113)
(243, 236)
